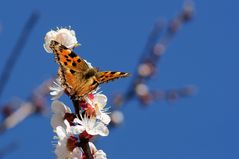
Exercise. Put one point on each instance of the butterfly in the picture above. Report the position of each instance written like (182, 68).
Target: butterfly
(76, 76)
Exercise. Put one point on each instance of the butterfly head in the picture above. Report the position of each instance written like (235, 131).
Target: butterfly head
(53, 44)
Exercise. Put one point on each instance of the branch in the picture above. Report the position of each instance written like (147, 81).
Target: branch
(84, 143)
(8, 149)
(154, 50)
(17, 50)
(76, 104)
(34, 105)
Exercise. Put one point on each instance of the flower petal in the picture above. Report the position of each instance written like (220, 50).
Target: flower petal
(49, 36)
(57, 120)
(92, 147)
(105, 118)
(62, 151)
(61, 133)
(101, 99)
(100, 155)
(64, 36)
(99, 129)
(56, 90)
(78, 121)
(59, 107)
(77, 129)
(76, 153)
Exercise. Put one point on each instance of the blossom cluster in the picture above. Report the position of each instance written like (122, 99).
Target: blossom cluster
(73, 128)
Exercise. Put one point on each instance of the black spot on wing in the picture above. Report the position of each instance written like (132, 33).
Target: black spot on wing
(62, 47)
(112, 73)
(72, 71)
(94, 82)
(74, 64)
(62, 76)
(90, 73)
(72, 55)
(123, 73)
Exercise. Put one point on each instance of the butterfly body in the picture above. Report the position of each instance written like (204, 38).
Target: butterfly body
(76, 76)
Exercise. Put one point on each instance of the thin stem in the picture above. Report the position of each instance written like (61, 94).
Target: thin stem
(84, 143)
(76, 107)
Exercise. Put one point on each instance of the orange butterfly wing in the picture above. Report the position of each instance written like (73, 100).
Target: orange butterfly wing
(73, 71)
(75, 74)
(107, 76)
(75, 84)
(67, 58)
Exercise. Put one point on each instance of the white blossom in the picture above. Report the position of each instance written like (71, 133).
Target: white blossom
(67, 131)
(97, 154)
(61, 150)
(91, 125)
(59, 110)
(64, 36)
(117, 117)
(56, 90)
(100, 154)
(63, 134)
(98, 103)
(76, 153)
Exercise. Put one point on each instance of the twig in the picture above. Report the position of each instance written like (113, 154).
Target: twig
(76, 104)
(84, 143)
(24, 111)
(154, 51)
(17, 50)
(8, 149)
(151, 42)
(35, 104)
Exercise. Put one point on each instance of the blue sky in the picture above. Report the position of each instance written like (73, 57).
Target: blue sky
(113, 34)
